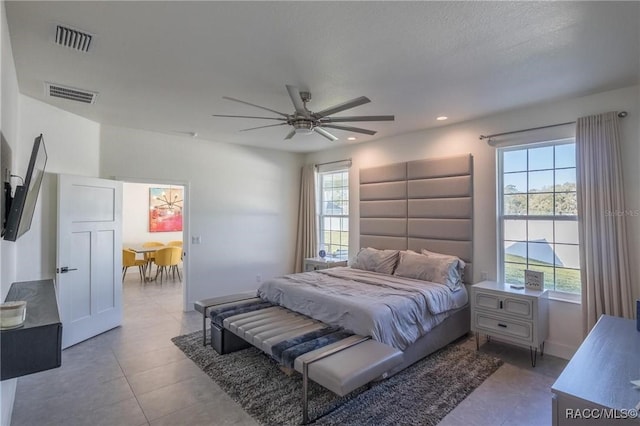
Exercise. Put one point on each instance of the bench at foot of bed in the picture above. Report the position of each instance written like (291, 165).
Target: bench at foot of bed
(337, 360)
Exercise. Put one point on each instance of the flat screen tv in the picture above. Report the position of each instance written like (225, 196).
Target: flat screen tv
(24, 200)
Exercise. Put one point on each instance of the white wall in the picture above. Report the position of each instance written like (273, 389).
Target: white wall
(73, 147)
(565, 318)
(135, 218)
(72, 144)
(243, 203)
(9, 131)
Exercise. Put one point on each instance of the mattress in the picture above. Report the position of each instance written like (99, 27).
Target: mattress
(392, 310)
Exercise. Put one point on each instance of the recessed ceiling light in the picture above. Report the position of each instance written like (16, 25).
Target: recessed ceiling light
(351, 138)
(441, 118)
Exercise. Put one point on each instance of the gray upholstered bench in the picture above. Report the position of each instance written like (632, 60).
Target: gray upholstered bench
(344, 366)
(203, 306)
(341, 367)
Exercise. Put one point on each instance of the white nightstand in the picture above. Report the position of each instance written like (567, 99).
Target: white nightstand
(315, 263)
(516, 316)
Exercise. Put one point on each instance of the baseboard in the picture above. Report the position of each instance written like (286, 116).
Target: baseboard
(559, 350)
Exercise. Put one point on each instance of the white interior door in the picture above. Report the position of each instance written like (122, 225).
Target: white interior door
(89, 256)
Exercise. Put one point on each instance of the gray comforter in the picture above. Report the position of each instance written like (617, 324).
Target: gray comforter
(393, 310)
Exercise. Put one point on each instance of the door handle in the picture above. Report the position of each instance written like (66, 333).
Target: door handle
(65, 269)
(502, 325)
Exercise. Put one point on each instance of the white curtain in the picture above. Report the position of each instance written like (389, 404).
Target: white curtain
(606, 286)
(307, 240)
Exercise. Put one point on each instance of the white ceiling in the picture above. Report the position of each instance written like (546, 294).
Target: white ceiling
(164, 66)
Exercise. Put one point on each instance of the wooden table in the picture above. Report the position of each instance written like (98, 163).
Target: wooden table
(598, 377)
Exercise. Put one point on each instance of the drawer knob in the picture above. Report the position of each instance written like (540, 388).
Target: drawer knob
(502, 325)
(501, 304)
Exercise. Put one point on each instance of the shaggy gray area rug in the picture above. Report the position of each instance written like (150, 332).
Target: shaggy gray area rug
(419, 395)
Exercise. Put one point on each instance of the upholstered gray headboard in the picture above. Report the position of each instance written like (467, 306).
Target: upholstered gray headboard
(420, 204)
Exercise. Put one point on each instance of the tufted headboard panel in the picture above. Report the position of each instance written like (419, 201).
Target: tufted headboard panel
(424, 204)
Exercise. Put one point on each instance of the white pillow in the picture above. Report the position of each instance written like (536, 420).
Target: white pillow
(429, 268)
(374, 260)
(459, 262)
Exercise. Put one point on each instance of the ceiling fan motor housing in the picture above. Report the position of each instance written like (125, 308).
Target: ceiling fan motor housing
(303, 126)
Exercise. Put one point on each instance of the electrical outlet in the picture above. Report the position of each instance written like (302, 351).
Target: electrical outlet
(258, 278)
(484, 275)
(196, 239)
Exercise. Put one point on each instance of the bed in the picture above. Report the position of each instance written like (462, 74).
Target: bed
(412, 208)
(397, 311)
(402, 298)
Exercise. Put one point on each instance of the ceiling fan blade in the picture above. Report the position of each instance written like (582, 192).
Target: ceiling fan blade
(262, 127)
(358, 118)
(351, 129)
(343, 106)
(291, 134)
(254, 105)
(248, 116)
(294, 94)
(325, 134)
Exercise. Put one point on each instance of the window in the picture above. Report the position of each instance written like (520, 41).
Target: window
(538, 214)
(334, 213)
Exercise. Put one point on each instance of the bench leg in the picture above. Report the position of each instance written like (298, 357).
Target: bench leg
(305, 393)
(305, 373)
(204, 327)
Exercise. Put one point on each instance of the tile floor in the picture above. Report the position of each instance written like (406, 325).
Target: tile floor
(134, 375)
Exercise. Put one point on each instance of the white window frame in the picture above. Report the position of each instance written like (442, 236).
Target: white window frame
(321, 216)
(554, 294)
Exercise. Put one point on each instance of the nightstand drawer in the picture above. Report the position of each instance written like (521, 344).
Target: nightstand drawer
(505, 305)
(487, 301)
(507, 327)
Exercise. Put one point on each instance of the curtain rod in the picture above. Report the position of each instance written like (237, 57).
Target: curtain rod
(334, 162)
(621, 114)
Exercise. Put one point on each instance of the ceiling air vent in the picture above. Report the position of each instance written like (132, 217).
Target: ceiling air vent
(70, 93)
(73, 39)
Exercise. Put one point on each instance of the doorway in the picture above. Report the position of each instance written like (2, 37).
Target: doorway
(156, 211)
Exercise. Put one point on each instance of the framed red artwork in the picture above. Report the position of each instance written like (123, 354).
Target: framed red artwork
(165, 209)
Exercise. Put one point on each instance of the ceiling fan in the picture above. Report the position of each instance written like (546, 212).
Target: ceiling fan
(307, 122)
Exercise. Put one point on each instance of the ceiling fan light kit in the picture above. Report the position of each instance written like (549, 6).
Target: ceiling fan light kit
(303, 126)
(306, 122)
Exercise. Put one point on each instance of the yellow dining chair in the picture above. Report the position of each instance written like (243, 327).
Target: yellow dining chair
(129, 259)
(168, 257)
(150, 256)
(174, 268)
(177, 243)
